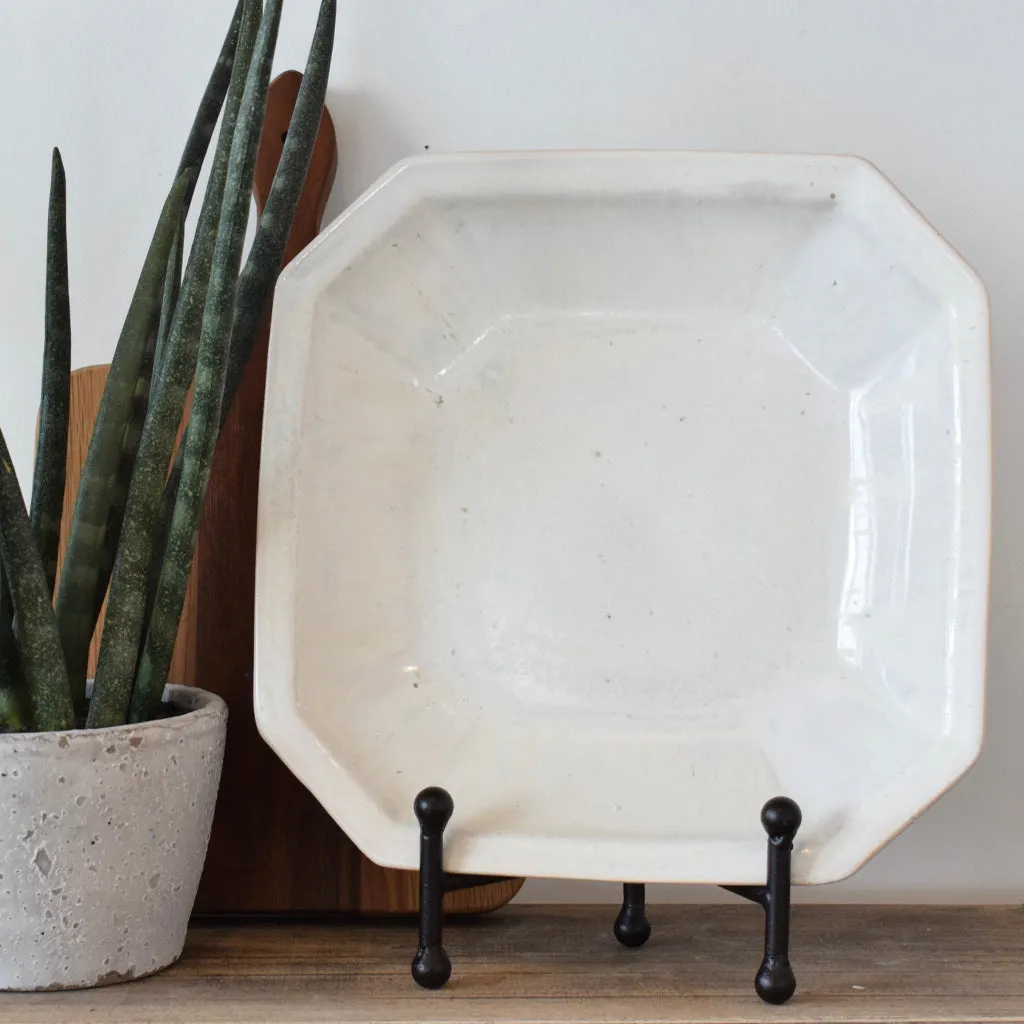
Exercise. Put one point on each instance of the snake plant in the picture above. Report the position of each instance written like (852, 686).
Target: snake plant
(132, 535)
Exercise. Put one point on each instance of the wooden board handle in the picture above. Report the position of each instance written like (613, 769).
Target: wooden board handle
(323, 164)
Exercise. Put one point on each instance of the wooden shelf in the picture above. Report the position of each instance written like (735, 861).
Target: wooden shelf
(560, 964)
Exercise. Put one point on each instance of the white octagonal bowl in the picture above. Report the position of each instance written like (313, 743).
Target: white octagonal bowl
(617, 493)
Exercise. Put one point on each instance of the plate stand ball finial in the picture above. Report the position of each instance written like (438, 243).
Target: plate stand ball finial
(774, 981)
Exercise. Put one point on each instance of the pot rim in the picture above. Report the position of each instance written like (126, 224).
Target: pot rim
(199, 708)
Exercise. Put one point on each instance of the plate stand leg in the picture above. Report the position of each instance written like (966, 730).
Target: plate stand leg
(631, 926)
(775, 981)
(433, 807)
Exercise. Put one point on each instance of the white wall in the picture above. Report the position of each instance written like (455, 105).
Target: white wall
(930, 90)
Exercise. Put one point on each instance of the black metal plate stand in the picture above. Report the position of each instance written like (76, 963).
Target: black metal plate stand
(774, 981)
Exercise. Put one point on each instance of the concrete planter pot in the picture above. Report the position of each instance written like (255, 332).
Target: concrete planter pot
(103, 834)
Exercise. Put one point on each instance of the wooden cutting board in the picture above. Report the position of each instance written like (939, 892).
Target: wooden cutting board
(273, 849)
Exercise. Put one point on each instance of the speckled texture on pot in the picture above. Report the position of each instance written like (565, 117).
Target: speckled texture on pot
(103, 834)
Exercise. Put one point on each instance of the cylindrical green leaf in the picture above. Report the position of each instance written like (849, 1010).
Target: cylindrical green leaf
(205, 121)
(39, 647)
(133, 430)
(169, 301)
(122, 478)
(13, 710)
(204, 419)
(14, 713)
(52, 444)
(126, 602)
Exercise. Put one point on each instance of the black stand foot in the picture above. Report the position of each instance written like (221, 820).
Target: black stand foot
(631, 926)
(775, 981)
(433, 807)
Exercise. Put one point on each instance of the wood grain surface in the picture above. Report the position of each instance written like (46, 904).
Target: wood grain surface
(548, 964)
(273, 847)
